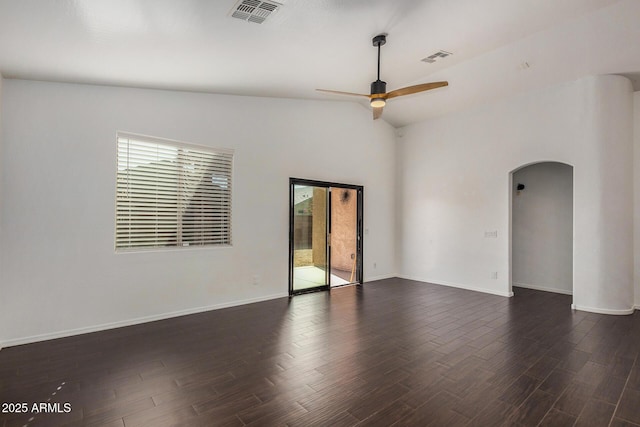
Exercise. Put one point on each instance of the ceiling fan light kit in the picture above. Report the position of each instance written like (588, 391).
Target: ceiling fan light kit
(379, 95)
(378, 102)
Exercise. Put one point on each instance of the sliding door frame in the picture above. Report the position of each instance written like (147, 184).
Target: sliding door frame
(359, 230)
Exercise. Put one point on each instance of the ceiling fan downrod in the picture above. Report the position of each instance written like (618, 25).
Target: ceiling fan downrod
(379, 86)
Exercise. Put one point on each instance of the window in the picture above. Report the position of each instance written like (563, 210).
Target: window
(171, 194)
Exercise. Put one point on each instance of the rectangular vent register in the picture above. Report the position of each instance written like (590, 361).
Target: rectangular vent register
(255, 11)
(441, 54)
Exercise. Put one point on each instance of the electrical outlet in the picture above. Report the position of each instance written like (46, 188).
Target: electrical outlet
(256, 280)
(491, 234)
(494, 274)
(375, 265)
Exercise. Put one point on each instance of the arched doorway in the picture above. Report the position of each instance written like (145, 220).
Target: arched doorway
(541, 212)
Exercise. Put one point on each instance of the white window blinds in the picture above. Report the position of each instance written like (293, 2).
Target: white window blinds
(171, 194)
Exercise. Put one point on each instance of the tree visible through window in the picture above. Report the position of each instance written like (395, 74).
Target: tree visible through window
(171, 194)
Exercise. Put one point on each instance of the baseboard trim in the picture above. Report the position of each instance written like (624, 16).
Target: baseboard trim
(616, 312)
(105, 326)
(383, 277)
(456, 285)
(542, 288)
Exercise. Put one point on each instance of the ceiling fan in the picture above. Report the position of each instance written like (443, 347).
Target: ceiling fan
(379, 94)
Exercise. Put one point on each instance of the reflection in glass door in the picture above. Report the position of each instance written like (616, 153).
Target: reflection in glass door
(325, 229)
(310, 258)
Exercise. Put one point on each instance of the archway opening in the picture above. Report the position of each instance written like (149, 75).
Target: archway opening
(542, 228)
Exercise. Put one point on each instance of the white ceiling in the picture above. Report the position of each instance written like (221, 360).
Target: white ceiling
(195, 45)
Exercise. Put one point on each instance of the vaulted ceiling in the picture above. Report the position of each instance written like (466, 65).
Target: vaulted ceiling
(500, 47)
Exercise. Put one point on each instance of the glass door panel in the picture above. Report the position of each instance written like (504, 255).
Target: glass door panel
(344, 236)
(310, 255)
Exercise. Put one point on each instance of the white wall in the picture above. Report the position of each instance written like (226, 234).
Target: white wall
(61, 273)
(542, 227)
(455, 171)
(636, 195)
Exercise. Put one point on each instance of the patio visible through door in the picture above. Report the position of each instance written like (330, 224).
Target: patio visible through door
(325, 238)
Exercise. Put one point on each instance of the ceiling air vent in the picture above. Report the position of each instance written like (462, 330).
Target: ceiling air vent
(254, 10)
(438, 55)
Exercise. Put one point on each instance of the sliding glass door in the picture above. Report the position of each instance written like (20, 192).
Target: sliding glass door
(325, 239)
(343, 211)
(310, 257)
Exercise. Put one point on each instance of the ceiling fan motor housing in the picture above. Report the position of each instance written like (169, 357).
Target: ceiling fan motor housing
(378, 87)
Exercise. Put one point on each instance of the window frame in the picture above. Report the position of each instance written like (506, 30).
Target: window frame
(178, 145)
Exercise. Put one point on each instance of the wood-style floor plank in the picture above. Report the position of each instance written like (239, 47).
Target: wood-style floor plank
(390, 353)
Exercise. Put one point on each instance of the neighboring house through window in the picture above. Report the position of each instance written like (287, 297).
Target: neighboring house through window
(171, 194)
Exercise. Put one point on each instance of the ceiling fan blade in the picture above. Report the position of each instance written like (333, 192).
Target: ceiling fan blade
(337, 92)
(377, 112)
(415, 89)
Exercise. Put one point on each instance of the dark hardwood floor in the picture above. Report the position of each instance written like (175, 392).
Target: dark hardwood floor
(393, 352)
